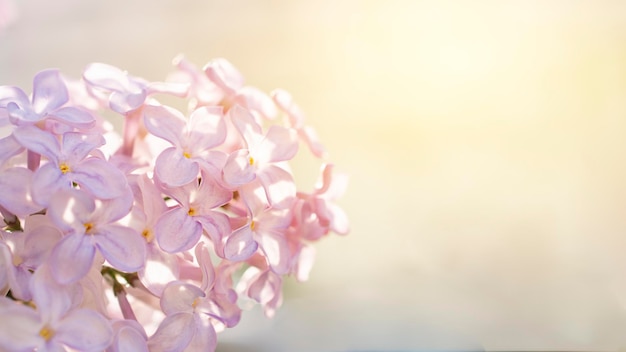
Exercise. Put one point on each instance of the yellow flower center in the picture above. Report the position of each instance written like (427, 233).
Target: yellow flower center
(251, 161)
(191, 212)
(88, 227)
(186, 155)
(46, 333)
(64, 168)
(252, 225)
(195, 302)
(148, 235)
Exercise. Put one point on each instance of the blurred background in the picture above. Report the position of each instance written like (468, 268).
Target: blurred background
(484, 141)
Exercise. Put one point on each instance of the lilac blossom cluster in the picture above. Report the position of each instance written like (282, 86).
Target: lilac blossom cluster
(152, 239)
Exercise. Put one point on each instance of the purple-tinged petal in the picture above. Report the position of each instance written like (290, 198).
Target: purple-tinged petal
(84, 330)
(48, 180)
(240, 245)
(11, 94)
(280, 144)
(38, 141)
(206, 266)
(176, 231)
(204, 339)
(9, 147)
(174, 169)
(179, 297)
(222, 306)
(164, 122)
(129, 337)
(49, 91)
(171, 88)
(38, 242)
(22, 116)
(74, 117)
(206, 128)
(114, 209)
(99, 178)
(238, 169)
(15, 187)
(125, 102)
(174, 333)
(70, 209)
(274, 246)
(71, 258)
(121, 246)
(21, 331)
(106, 77)
(76, 146)
(221, 72)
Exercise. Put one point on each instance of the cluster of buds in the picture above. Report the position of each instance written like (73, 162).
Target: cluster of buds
(152, 239)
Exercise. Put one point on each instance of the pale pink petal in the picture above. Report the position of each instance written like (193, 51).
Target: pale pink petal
(176, 231)
(74, 117)
(70, 209)
(84, 330)
(304, 265)
(174, 333)
(161, 268)
(284, 101)
(206, 266)
(15, 187)
(265, 287)
(71, 258)
(204, 338)
(39, 141)
(106, 77)
(206, 128)
(99, 178)
(164, 122)
(126, 101)
(279, 186)
(21, 331)
(240, 245)
(247, 126)
(280, 144)
(121, 246)
(274, 246)
(114, 209)
(38, 242)
(221, 72)
(210, 194)
(255, 99)
(334, 215)
(309, 136)
(238, 169)
(171, 88)
(15, 95)
(179, 297)
(22, 116)
(49, 91)
(217, 226)
(174, 169)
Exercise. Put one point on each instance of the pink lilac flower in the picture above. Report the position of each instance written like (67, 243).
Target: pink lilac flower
(260, 156)
(191, 140)
(49, 96)
(223, 74)
(69, 164)
(285, 102)
(53, 324)
(266, 230)
(90, 228)
(181, 227)
(16, 188)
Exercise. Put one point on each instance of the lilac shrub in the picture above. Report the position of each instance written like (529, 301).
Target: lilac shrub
(152, 238)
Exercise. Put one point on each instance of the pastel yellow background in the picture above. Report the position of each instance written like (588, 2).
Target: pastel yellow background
(484, 141)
